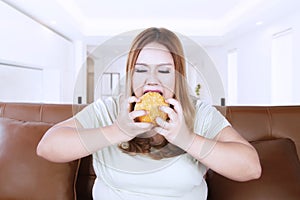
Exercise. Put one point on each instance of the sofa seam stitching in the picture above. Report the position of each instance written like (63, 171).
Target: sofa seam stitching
(76, 178)
(228, 110)
(41, 112)
(270, 121)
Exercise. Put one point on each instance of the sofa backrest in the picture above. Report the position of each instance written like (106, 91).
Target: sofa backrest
(47, 115)
(252, 122)
(265, 122)
(35, 112)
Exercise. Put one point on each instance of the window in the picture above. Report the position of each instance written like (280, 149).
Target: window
(110, 84)
(282, 68)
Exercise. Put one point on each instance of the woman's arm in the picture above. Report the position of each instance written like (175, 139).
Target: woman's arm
(67, 141)
(228, 154)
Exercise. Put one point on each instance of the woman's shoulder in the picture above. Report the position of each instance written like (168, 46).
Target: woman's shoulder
(110, 103)
(100, 112)
(202, 105)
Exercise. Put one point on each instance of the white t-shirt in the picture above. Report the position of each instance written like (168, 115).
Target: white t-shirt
(121, 176)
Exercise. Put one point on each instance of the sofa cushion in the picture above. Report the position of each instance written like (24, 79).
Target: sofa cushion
(85, 179)
(23, 174)
(280, 175)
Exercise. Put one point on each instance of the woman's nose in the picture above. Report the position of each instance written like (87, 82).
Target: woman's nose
(152, 79)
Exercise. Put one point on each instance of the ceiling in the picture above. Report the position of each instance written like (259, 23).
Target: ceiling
(89, 20)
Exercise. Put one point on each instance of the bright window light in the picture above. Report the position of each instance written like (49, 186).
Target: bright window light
(282, 68)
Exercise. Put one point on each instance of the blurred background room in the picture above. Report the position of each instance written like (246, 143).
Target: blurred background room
(66, 51)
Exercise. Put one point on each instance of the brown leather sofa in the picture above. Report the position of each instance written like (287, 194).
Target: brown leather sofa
(274, 132)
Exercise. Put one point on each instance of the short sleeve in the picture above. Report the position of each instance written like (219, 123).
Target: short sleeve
(208, 120)
(99, 113)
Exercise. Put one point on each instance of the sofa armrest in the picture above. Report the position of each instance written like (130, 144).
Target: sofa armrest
(280, 175)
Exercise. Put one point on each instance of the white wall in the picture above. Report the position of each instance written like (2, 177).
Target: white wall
(254, 60)
(24, 42)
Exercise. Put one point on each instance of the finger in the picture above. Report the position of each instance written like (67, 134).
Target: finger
(161, 131)
(162, 123)
(132, 99)
(176, 105)
(147, 134)
(138, 99)
(137, 113)
(171, 113)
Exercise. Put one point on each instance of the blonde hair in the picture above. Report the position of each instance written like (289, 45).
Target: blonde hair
(170, 40)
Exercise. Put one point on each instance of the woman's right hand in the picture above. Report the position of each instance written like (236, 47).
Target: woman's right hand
(126, 123)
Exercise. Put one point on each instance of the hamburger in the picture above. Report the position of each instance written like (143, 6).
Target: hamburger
(150, 102)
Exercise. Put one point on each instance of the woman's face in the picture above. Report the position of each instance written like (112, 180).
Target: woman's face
(154, 71)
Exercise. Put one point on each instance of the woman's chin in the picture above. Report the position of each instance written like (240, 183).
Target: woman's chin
(148, 134)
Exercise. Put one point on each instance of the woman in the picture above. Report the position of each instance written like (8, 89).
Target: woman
(138, 160)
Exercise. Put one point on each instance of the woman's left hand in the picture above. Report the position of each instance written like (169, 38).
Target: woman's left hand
(175, 130)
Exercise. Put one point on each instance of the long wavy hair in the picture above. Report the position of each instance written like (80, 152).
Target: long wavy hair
(170, 40)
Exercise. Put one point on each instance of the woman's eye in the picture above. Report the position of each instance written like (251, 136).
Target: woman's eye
(165, 71)
(140, 70)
